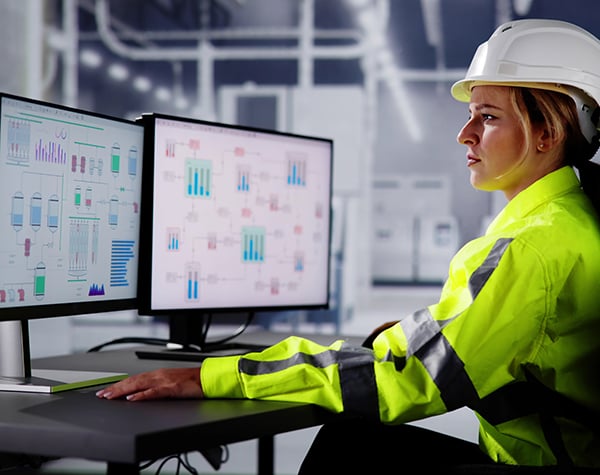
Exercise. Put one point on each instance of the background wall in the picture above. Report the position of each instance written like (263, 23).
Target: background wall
(372, 74)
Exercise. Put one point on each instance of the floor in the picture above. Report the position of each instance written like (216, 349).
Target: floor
(384, 304)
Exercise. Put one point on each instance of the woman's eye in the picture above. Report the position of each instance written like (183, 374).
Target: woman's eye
(487, 116)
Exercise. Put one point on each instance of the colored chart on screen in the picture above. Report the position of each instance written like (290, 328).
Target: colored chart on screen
(241, 217)
(70, 200)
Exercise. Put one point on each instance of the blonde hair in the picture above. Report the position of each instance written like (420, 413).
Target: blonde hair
(557, 113)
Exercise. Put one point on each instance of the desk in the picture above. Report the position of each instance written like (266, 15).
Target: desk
(77, 424)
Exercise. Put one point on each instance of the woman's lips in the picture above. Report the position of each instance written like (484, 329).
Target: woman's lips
(471, 160)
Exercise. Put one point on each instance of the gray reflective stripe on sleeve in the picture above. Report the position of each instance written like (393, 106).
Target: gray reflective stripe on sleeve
(448, 373)
(484, 271)
(426, 341)
(256, 368)
(356, 372)
(418, 328)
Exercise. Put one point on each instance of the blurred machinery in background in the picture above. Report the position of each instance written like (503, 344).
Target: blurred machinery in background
(414, 234)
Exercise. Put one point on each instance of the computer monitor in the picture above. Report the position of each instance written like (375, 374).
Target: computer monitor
(236, 219)
(70, 188)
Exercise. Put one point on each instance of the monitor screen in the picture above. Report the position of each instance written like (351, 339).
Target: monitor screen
(70, 185)
(237, 218)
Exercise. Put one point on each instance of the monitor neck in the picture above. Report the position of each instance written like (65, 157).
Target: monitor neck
(189, 330)
(15, 358)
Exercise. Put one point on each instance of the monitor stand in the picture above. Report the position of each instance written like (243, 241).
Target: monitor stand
(187, 337)
(16, 373)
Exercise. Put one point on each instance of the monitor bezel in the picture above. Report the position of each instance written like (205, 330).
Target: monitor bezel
(147, 216)
(66, 309)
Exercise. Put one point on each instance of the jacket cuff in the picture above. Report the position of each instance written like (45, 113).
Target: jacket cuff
(219, 377)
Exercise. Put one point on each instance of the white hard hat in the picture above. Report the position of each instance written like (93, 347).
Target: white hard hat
(544, 54)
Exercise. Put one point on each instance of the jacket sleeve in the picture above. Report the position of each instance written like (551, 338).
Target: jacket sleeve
(338, 377)
(422, 366)
(295, 369)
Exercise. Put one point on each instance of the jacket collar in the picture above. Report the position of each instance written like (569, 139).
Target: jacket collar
(547, 188)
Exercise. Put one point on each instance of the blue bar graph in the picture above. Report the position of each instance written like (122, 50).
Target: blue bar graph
(243, 179)
(253, 244)
(296, 174)
(298, 262)
(198, 178)
(121, 254)
(173, 239)
(192, 273)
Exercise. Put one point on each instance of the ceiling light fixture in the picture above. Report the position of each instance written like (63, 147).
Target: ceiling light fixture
(142, 84)
(162, 94)
(90, 58)
(118, 72)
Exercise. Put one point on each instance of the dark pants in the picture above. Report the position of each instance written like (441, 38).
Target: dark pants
(360, 446)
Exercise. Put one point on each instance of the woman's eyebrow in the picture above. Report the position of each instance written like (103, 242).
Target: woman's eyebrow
(485, 105)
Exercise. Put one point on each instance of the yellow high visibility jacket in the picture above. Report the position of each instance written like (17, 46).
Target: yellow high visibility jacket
(515, 336)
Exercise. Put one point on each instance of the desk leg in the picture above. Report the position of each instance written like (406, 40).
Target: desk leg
(266, 455)
(115, 468)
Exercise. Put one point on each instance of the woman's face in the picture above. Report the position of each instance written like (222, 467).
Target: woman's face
(498, 155)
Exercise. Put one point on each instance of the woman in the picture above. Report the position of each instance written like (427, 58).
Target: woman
(514, 335)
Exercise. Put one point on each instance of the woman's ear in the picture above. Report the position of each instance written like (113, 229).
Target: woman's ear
(545, 140)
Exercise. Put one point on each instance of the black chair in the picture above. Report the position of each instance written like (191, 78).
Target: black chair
(493, 469)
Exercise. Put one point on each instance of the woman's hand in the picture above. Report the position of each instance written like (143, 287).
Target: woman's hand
(174, 383)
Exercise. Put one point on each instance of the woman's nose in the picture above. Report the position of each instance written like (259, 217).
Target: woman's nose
(466, 135)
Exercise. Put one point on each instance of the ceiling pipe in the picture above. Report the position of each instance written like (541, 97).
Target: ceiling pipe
(205, 85)
(305, 63)
(70, 83)
(34, 25)
(204, 52)
(420, 75)
(114, 43)
(229, 34)
(522, 7)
